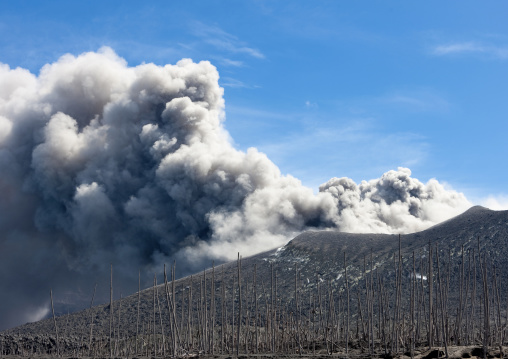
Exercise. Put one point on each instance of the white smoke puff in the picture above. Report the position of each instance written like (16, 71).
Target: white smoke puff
(105, 163)
(89, 198)
(5, 129)
(14, 84)
(270, 215)
(394, 203)
(496, 203)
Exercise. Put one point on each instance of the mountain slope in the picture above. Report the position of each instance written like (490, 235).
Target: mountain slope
(315, 260)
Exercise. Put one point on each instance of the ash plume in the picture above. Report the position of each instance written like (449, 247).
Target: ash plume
(105, 163)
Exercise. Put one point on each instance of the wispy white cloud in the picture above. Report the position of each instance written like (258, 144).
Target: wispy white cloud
(234, 83)
(457, 48)
(408, 100)
(416, 100)
(310, 104)
(471, 47)
(222, 40)
(229, 62)
(248, 112)
(233, 46)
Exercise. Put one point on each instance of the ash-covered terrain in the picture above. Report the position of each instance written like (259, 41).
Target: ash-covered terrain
(300, 296)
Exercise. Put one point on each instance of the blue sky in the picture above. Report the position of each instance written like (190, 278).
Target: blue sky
(324, 88)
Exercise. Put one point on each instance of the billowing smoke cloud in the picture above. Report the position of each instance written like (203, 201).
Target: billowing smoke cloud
(105, 163)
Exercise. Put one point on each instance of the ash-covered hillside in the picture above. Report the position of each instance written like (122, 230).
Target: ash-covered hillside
(311, 264)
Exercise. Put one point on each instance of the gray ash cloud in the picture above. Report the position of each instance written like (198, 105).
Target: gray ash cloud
(105, 163)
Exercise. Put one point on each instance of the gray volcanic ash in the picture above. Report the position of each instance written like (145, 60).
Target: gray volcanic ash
(105, 163)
